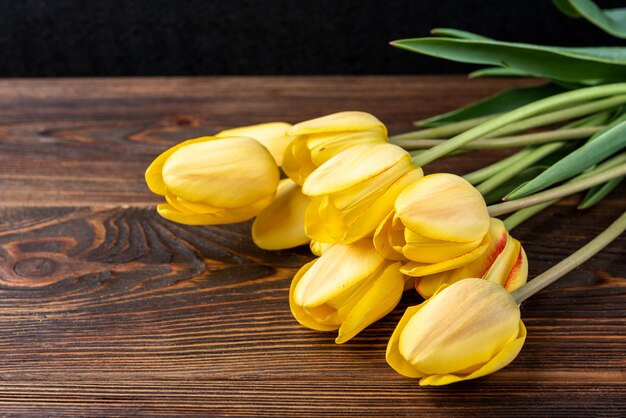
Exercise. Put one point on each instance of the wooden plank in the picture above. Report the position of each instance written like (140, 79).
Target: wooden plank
(107, 309)
(88, 141)
(120, 311)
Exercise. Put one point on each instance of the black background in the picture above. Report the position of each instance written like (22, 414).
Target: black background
(237, 37)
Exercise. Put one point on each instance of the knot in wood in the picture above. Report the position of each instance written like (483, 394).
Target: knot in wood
(35, 267)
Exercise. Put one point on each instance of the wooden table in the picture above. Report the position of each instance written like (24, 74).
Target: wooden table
(107, 309)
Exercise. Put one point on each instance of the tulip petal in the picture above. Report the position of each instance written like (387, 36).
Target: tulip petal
(298, 312)
(296, 162)
(461, 328)
(504, 357)
(227, 172)
(416, 269)
(426, 250)
(324, 221)
(272, 135)
(382, 239)
(380, 299)
(369, 218)
(281, 224)
(154, 177)
(393, 356)
(190, 207)
(337, 270)
(338, 122)
(519, 273)
(319, 248)
(368, 191)
(444, 207)
(352, 166)
(226, 216)
(427, 285)
(314, 223)
(325, 146)
(502, 266)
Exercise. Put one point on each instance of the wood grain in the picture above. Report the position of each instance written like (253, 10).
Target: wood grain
(107, 309)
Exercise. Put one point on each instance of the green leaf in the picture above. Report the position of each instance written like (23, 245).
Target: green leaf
(497, 72)
(496, 195)
(566, 8)
(612, 21)
(597, 193)
(621, 118)
(589, 66)
(457, 33)
(611, 140)
(500, 102)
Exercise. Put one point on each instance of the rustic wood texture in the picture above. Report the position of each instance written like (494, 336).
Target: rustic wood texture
(107, 309)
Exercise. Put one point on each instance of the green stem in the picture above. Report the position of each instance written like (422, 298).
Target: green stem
(598, 193)
(514, 169)
(444, 131)
(570, 263)
(526, 213)
(516, 141)
(557, 192)
(561, 115)
(484, 173)
(523, 112)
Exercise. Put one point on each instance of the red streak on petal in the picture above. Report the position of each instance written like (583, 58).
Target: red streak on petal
(515, 270)
(494, 253)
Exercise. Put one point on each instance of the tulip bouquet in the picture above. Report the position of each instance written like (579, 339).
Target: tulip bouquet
(379, 226)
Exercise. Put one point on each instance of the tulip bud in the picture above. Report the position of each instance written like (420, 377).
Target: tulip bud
(212, 180)
(281, 224)
(272, 135)
(466, 330)
(348, 288)
(439, 222)
(504, 262)
(354, 190)
(317, 140)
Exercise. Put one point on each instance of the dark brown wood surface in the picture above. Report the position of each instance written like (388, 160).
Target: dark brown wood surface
(107, 309)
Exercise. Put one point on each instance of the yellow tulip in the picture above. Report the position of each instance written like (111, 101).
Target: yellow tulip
(439, 222)
(504, 262)
(348, 288)
(466, 330)
(272, 135)
(317, 140)
(281, 224)
(213, 180)
(353, 191)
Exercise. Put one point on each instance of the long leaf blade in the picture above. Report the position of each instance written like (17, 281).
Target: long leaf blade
(576, 65)
(457, 33)
(612, 140)
(500, 102)
(612, 21)
(498, 72)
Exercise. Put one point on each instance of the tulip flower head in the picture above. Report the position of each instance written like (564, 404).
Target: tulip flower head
(317, 140)
(213, 180)
(439, 222)
(504, 262)
(466, 330)
(353, 191)
(281, 225)
(272, 135)
(348, 288)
